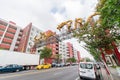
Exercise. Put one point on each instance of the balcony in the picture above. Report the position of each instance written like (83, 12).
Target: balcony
(13, 27)
(9, 35)
(1, 33)
(17, 42)
(16, 47)
(3, 23)
(20, 34)
(11, 30)
(21, 30)
(57, 48)
(56, 53)
(68, 55)
(2, 26)
(4, 46)
(18, 39)
(6, 40)
(57, 44)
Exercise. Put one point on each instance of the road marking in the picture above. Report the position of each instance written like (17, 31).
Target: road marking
(77, 78)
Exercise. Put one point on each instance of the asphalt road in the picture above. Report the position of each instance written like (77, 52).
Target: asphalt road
(64, 73)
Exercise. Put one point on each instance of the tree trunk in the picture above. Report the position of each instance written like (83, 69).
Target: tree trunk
(103, 55)
(116, 52)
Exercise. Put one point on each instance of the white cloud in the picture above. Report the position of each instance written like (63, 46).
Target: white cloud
(45, 14)
(39, 11)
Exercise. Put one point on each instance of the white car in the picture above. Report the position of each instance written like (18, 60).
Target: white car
(88, 70)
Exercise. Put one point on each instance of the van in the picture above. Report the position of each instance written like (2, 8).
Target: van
(89, 70)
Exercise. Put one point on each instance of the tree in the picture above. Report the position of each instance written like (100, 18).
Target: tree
(87, 59)
(58, 57)
(104, 31)
(1, 49)
(94, 52)
(71, 60)
(45, 53)
(110, 18)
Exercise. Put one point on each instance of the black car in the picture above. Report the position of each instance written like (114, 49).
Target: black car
(11, 68)
(53, 65)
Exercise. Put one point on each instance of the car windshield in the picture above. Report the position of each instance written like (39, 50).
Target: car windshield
(86, 66)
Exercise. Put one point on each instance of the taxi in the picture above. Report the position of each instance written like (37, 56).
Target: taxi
(46, 66)
(39, 66)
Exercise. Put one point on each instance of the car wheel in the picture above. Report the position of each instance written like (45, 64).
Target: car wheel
(99, 78)
(28, 68)
(80, 77)
(17, 70)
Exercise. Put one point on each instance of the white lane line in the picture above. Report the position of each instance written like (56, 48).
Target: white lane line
(77, 78)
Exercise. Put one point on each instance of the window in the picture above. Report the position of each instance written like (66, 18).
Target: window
(30, 43)
(2, 29)
(37, 31)
(32, 29)
(89, 66)
(28, 49)
(86, 66)
(31, 38)
(31, 33)
(9, 66)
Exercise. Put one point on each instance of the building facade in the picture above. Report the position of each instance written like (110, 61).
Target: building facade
(13, 38)
(68, 51)
(77, 55)
(27, 40)
(63, 51)
(53, 46)
(10, 35)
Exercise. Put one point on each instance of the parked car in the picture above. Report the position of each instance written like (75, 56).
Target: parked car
(62, 64)
(46, 66)
(53, 65)
(73, 64)
(39, 67)
(89, 70)
(11, 68)
(67, 64)
(58, 65)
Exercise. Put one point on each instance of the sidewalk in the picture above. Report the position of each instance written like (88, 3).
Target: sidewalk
(114, 73)
(104, 75)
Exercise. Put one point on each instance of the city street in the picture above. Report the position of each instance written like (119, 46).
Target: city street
(64, 73)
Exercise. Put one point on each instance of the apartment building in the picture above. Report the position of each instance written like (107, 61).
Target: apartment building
(10, 35)
(68, 51)
(77, 55)
(63, 51)
(54, 46)
(27, 40)
(14, 38)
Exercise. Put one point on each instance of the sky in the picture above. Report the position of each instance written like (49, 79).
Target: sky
(46, 14)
